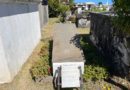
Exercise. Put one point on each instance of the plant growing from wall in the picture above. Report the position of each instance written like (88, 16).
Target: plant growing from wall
(122, 19)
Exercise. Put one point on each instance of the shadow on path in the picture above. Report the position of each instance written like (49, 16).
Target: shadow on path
(116, 84)
(93, 56)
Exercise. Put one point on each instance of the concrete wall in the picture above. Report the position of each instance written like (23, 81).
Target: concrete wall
(112, 44)
(19, 1)
(19, 34)
(44, 16)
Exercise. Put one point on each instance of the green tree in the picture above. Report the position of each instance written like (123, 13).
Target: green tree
(122, 19)
(71, 1)
(56, 8)
(71, 4)
(100, 3)
(53, 8)
(63, 8)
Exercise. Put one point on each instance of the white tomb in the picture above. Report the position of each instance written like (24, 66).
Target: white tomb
(67, 56)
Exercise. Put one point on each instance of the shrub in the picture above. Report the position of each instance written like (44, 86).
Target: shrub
(63, 8)
(95, 73)
(122, 19)
(42, 67)
(56, 8)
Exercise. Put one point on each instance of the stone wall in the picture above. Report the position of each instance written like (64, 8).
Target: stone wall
(19, 35)
(112, 44)
(82, 21)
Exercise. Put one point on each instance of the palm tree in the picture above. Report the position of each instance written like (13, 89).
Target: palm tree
(100, 3)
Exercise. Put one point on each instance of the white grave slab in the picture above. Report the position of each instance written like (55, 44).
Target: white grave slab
(66, 55)
(70, 73)
(70, 76)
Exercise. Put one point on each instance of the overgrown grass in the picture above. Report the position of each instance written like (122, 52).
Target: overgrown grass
(42, 67)
(94, 66)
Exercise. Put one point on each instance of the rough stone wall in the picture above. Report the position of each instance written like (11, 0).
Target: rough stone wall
(82, 21)
(111, 43)
(19, 35)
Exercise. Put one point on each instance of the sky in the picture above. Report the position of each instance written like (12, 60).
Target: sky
(96, 1)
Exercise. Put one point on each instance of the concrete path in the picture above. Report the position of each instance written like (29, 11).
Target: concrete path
(64, 49)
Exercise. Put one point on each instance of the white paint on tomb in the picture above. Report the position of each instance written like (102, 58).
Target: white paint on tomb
(66, 55)
(56, 65)
(70, 76)
(70, 73)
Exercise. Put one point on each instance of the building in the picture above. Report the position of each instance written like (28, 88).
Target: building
(84, 6)
(89, 5)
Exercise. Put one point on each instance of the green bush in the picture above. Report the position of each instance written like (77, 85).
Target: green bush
(53, 8)
(122, 18)
(63, 8)
(95, 73)
(56, 8)
(40, 69)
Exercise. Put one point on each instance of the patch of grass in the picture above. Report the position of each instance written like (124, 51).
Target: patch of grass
(42, 67)
(53, 20)
(94, 68)
(95, 73)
